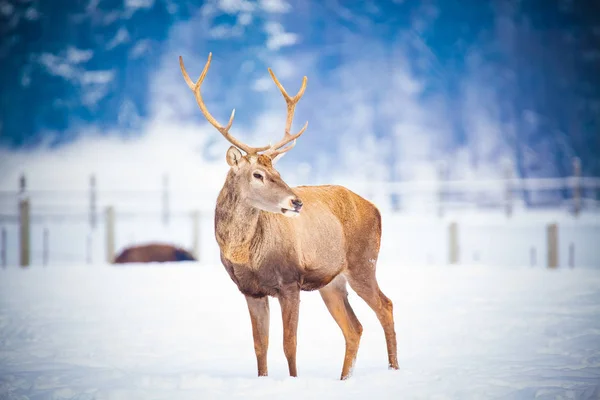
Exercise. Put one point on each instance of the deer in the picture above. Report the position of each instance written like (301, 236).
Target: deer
(277, 241)
(153, 253)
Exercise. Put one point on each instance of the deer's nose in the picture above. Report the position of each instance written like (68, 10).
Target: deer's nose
(297, 203)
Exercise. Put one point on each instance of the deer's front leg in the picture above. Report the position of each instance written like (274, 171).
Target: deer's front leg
(290, 304)
(259, 315)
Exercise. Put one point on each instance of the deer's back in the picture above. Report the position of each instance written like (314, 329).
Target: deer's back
(337, 220)
(351, 210)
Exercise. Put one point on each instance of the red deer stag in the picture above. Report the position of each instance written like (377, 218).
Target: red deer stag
(334, 238)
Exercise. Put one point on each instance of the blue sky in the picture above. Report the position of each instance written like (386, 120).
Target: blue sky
(394, 87)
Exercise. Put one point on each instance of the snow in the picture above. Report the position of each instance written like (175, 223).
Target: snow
(182, 331)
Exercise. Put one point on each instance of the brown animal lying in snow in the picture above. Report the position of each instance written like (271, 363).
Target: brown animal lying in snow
(153, 252)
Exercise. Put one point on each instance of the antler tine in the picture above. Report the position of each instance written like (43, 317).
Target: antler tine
(291, 107)
(195, 87)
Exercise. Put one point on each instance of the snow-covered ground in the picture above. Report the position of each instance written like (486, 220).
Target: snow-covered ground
(182, 331)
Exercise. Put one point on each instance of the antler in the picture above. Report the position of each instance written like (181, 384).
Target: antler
(223, 129)
(276, 149)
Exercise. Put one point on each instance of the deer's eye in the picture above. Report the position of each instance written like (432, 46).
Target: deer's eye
(257, 176)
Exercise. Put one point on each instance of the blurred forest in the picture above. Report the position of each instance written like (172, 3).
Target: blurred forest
(68, 64)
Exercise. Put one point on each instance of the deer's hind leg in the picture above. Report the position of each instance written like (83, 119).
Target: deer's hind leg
(361, 276)
(335, 297)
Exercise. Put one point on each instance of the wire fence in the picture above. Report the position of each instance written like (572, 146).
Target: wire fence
(71, 225)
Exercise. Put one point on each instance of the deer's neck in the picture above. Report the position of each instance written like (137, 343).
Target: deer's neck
(236, 224)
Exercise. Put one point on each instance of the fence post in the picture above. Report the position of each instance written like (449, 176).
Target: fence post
(552, 243)
(508, 207)
(22, 186)
(453, 250)
(572, 255)
(3, 246)
(45, 248)
(110, 234)
(93, 202)
(576, 186)
(24, 232)
(24, 253)
(88, 250)
(196, 234)
(442, 175)
(532, 257)
(165, 200)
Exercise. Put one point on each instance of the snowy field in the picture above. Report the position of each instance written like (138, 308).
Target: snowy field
(182, 331)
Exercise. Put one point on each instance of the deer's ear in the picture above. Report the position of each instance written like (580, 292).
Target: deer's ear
(234, 156)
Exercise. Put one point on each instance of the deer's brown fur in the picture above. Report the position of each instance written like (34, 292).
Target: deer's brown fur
(332, 238)
(336, 238)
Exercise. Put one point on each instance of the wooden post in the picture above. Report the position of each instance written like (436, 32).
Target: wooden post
(24, 242)
(3, 246)
(24, 232)
(552, 243)
(88, 249)
(45, 248)
(572, 255)
(442, 175)
(22, 185)
(93, 202)
(576, 186)
(165, 200)
(196, 234)
(24, 255)
(110, 234)
(453, 249)
(508, 207)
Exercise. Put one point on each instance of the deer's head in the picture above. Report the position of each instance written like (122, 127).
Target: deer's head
(256, 180)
